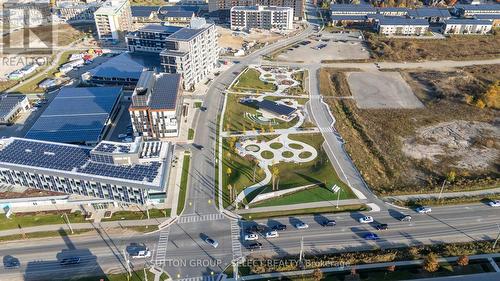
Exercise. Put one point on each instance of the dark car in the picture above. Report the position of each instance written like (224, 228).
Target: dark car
(256, 228)
(254, 246)
(382, 226)
(371, 236)
(329, 223)
(70, 261)
(405, 218)
(10, 262)
(279, 227)
(202, 108)
(198, 146)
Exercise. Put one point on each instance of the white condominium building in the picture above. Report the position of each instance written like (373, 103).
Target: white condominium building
(192, 52)
(402, 26)
(263, 17)
(112, 19)
(466, 26)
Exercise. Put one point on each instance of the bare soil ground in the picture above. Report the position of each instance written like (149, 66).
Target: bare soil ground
(454, 48)
(228, 40)
(28, 193)
(59, 35)
(385, 143)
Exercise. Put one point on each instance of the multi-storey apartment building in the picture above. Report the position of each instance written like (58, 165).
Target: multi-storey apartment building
(77, 11)
(192, 52)
(264, 17)
(466, 26)
(113, 19)
(151, 38)
(297, 5)
(123, 172)
(156, 103)
(402, 26)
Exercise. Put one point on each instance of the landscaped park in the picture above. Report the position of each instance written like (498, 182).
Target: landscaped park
(269, 159)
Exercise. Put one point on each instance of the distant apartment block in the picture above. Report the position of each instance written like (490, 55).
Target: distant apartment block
(113, 19)
(156, 103)
(296, 5)
(150, 38)
(402, 26)
(263, 17)
(76, 11)
(192, 52)
(466, 26)
(11, 105)
(471, 10)
(169, 15)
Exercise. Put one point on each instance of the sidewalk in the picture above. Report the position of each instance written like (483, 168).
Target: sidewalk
(444, 195)
(368, 266)
(302, 206)
(75, 226)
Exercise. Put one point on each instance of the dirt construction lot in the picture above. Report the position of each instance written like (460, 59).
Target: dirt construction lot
(231, 39)
(381, 90)
(400, 150)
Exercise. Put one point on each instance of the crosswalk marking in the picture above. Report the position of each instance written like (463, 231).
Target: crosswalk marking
(217, 277)
(327, 129)
(198, 218)
(161, 249)
(235, 239)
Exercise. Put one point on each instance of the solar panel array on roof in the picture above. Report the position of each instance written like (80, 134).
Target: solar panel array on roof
(126, 66)
(164, 93)
(8, 102)
(76, 115)
(275, 107)
(138, 172)
(143, 11)
(186, 34)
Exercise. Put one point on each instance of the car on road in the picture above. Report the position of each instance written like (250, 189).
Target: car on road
(202, 108)
(328, 223)
(70, 261)
(301, 225)
(256, 228)
(254, 246)
(271, 234)
(367, 219)
(251, 237)
(198, 146)
(382, 226)
(10, 262)
(494, 203)
(405, 218)
(142, 254)
(212, 242)
(371, 236)
(423, 210)
(279, 227)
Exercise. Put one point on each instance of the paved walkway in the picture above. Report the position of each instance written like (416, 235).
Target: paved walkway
(85, 225)
(444, 195)
(370, 266)
(302, 206)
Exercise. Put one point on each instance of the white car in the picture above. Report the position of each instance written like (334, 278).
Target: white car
(301, 225)
(251, 237)
(141, 254)
(272, 234)
(366, 219)
(494, 203)
(212, 242)
(423, 210)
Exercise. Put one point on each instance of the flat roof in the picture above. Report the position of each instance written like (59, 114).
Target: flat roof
(429, 12)
(169, 29)
(111, 7)
(8, 102)
(348, 17)
(126, 65)
(480, 7)
(352, 8)
(165, 91)
(468, 21)
(75, 160)
(176, 14)
(275, 107)
(487, 16)
(143, 11)
(186, 33)
(76, 115)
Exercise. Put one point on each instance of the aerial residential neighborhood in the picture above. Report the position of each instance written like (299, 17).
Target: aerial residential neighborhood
(215, 140)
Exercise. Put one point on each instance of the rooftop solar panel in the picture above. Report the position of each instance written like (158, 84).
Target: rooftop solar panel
(165, 91)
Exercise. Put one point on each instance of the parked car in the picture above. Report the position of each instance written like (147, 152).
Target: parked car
(271, 234)
(279, 227)
(251, 237)
(329, 223)
(301, 225)
(405, 218)
(382, 226)
(254, 246)
(367, 219)
(371, 236)
(423, 210)
(212, 242)
(494, 203)
(70, 261)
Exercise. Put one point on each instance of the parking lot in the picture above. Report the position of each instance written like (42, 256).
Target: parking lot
(381, 90)
(327, 47)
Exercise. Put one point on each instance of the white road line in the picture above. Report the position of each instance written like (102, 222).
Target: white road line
(235, 239)
(198, 218)
(161, 248)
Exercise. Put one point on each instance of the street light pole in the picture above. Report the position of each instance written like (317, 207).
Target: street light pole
(69, 223)
(441, 192)
(338, 197)
(498, 237)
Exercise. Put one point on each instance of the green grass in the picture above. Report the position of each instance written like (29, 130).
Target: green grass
(137, 275)
(322, 210)
(249, 81)
(318, 171)
(138, 215)
(276, 145)
(304, 154)
(287, 154)
(197, 104)
(313, 194)
(37, 219)
(295, 146)
(43, 234)
(235, 120)
(266, 154)
(190, 134)
(184, 184)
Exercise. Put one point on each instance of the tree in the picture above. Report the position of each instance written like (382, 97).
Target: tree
(229, 172)
(430, 263)
(492, 96)
(275, 171)
(463, 260)
(451, 176)
(317, 274)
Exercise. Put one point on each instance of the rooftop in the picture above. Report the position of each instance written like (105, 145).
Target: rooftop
(111, 7)
(429, 12)
(481, 7)
(487, 16)
(186, 34)
(76, 115)
(143, 11)
(352, 7)
(159, 91)
(468, 21)
(126, 65)
(8, 103)
(169, 29)
(76, 160)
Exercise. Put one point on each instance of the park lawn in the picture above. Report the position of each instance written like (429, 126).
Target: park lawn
(190, 134)
(37, 219)
(301, 101)
(184, 182)
(44, 234)
(249, 81)
(322, 210)
(318, 171)
(235, 120)
(138, 215)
